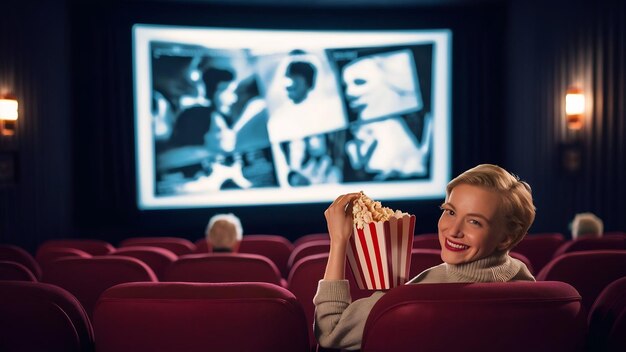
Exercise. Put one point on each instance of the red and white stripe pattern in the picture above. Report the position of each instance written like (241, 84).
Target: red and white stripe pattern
(380, 253)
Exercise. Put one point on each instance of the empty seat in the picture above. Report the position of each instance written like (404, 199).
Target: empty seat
(158, 259)
(202, 246)
(91, 246)
(311, 237)
(275, 247)
(87, 278)
(422, 259)
(607, 319)
(592, 243)
(307, 249)
(511, 316)
(13, 271)
(45, 256)
(180, 246)
(588, 271)
(539, 248)
(39, 317)
(427, 241)
(17, 254)
(223, 267)
(199, 317)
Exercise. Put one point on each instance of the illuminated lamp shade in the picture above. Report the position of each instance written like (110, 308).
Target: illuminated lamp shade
(8, 115)
(574, 108)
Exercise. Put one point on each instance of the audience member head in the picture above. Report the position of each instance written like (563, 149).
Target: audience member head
(487, 210)
(224, 232)
(587, 225)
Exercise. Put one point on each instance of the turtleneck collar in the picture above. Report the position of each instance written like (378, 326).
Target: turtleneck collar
(498, 267)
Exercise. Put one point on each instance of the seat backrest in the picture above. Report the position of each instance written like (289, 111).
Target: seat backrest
(422, 259)
(426, 241)
(539, 248)
(87, 278)
(13, 271)
(510, 316)
(91, 246)
(199, 317)
(588, 271)
(591, 244)
(180, 246)
(17, 254)
(307, 249)
(310, 237)
(607, 319)
(223, 267)
(47, 255)
(276, 248)
(39, 317)
(158, 259)
(202, 246)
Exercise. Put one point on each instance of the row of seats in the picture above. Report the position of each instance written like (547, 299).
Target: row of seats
(86, 278)
(536, 250)
(154, 316)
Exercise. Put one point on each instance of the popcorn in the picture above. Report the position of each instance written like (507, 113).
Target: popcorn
(379, 251)
(366, 210)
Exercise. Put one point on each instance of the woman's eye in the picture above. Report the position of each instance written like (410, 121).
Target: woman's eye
(475, 222)
(449, 211)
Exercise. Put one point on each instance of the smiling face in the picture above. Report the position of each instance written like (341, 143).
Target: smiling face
(471, 226)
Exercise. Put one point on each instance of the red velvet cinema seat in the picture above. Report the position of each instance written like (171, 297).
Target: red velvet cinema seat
(202, 246)
(539, 248)
(180, 246)
(19, 255)
(592, 243)
(275, 247)
(311, 237)
(199, 317)
(224, 267)
(607, 319)
(39, 317)
(307, 249)
(158, 259)
(427, 241)
(512, 316)
(588, 271)
(91, 246)
(48, 255)
(422, 259)
(12, 271)
(87, 278)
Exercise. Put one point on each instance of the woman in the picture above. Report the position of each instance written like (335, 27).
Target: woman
(487, 211)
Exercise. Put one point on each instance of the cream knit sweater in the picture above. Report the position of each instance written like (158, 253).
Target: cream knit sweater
(339, 322)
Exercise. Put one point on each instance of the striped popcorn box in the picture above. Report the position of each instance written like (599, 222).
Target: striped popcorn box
(379, 254)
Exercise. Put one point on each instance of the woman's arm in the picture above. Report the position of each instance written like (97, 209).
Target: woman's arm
(339, 222)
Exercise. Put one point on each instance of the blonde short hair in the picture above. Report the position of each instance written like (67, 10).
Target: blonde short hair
(587, 224)
(517, 201)
(224, 230)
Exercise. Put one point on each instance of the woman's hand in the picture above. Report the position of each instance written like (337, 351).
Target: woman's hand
(339, 218)
(339, 222)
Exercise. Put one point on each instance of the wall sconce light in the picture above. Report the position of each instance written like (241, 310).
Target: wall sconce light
(8, 115)
(575, 108)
